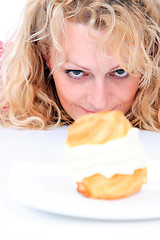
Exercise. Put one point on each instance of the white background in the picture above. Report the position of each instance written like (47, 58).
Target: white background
(18, 222)
(10, 12)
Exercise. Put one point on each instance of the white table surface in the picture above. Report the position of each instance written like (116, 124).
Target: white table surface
(20, 222)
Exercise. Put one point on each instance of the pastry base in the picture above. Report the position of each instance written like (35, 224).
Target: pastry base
(119, 186)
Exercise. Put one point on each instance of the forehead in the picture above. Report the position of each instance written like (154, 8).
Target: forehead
(71, 27)
(81, 41)
(82, 48)
(79, 36)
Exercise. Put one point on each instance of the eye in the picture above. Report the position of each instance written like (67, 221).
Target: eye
(120, 73)
(75, 73)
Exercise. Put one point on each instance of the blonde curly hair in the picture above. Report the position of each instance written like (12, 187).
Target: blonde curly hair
(28, 94)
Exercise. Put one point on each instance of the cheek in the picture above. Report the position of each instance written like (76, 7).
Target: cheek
(67, 91)
(60, 83)
(64, 93)
(129, 91)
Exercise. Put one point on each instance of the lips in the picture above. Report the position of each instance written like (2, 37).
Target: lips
(90, 111)
(96, 111)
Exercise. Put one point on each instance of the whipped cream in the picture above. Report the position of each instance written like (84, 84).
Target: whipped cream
(118, 156)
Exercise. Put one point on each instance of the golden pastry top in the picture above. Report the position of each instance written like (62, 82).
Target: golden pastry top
(98, 128)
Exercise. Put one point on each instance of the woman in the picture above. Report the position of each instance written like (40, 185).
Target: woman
(76, 57)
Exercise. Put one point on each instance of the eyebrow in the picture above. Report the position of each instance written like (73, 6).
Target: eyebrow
(87, 69)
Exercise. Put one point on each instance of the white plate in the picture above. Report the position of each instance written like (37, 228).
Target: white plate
(46, 187)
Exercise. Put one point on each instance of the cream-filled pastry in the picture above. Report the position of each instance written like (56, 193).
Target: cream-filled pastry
(104, 155)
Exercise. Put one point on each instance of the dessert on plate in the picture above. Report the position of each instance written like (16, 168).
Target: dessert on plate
(104, 155)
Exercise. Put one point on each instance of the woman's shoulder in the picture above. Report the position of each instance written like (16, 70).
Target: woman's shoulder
(1, 47)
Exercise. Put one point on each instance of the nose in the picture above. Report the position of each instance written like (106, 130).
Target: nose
(99, 94)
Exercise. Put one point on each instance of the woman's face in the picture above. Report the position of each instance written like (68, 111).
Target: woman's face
(87, 82)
